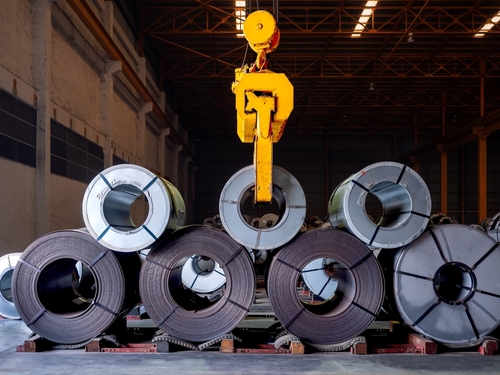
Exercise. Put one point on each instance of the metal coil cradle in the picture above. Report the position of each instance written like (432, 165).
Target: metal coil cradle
(68, 288)
(290, 199)
(403, 194)
(349, 307)
(107, 207)
(7, 264)
(175, 308)
(446, 284)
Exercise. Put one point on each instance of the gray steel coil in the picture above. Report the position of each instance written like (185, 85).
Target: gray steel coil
(405, 200)
(108, 202)
(446, 284)
(178, 310)
(351, 306)
(68, 288)
(7, 264)
(291, 204)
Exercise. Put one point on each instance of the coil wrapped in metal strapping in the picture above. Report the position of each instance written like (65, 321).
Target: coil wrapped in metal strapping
(355, 302)
(68, 288)
(7, 264)
(107, 206)
(446, 284)
(404, 196)
(176, 309)
(290, 199)
(492, 227)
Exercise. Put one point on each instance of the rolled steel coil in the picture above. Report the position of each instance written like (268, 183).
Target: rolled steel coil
(176, 309)
(446, 284)
(107, 207)
(7, 264)
(492, 227)
(351, 307)
(290, 199)
(202, 274)
(405, 200)
(68, 288)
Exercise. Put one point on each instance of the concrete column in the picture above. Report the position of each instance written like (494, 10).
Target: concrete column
(141, 131)
(175, 165)
(162, 151)
(112, 68)
(42, 33)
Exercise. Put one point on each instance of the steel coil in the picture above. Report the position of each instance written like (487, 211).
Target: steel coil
(176, 309)
(7, 264)
(108, 201)
(446, 284)
(492, 227)
(202, 274)
(291, 204)
(404, 197)
(68, 288)
(348, 309)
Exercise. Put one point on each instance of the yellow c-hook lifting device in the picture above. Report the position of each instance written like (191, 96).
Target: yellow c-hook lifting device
(264, 101)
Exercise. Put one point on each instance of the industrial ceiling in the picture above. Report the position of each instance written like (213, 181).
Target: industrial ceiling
(415, 66)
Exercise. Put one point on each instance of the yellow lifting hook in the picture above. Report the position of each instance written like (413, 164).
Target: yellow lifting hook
(264, 101)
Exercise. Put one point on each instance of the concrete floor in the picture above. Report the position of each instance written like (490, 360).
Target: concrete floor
(65, 362)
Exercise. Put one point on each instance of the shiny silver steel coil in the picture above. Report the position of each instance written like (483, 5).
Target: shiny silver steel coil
(202, 274)
(348, 309)
(68, 288)
(107, 207)
(175, 308)
(7, 264)
(492, 227)
(290, 200)
(404, 197)
(446, 284)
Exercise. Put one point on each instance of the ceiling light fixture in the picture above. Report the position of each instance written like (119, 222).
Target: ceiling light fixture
(366, 14)
(488, 25)
(240, 13)
(410, 38)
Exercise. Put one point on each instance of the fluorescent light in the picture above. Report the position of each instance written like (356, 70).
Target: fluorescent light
(363, 20)
(240, 13)
(365, 17)
(488, 25)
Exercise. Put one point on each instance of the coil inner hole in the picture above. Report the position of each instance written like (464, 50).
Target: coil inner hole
(66, 287)
(6, 285)
(125, 208)
(395, 203)
(265, 216)
(325, 286)
(454, 283)
(184, 294)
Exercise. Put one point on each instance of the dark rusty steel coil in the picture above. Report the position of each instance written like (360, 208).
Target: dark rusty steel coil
(68, 288)
(178, 310)
(446, 282)
(352, 306)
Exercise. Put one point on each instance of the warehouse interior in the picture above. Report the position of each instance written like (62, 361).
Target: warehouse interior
(87, 85)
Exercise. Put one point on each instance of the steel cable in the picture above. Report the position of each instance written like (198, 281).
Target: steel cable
(351, 307)
(107, 207)
(68, 288)
(179, 311)
(405, 200)
(445, 284)
(7, 264)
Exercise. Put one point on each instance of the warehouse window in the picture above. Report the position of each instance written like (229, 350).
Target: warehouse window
(17, 129)
(118, 160)
(73, 155)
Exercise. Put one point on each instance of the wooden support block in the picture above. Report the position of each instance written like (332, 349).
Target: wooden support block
(428, 346)
(34, 344)
(359, 347)
(227, 346)
(488, 347)
(297, 347)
